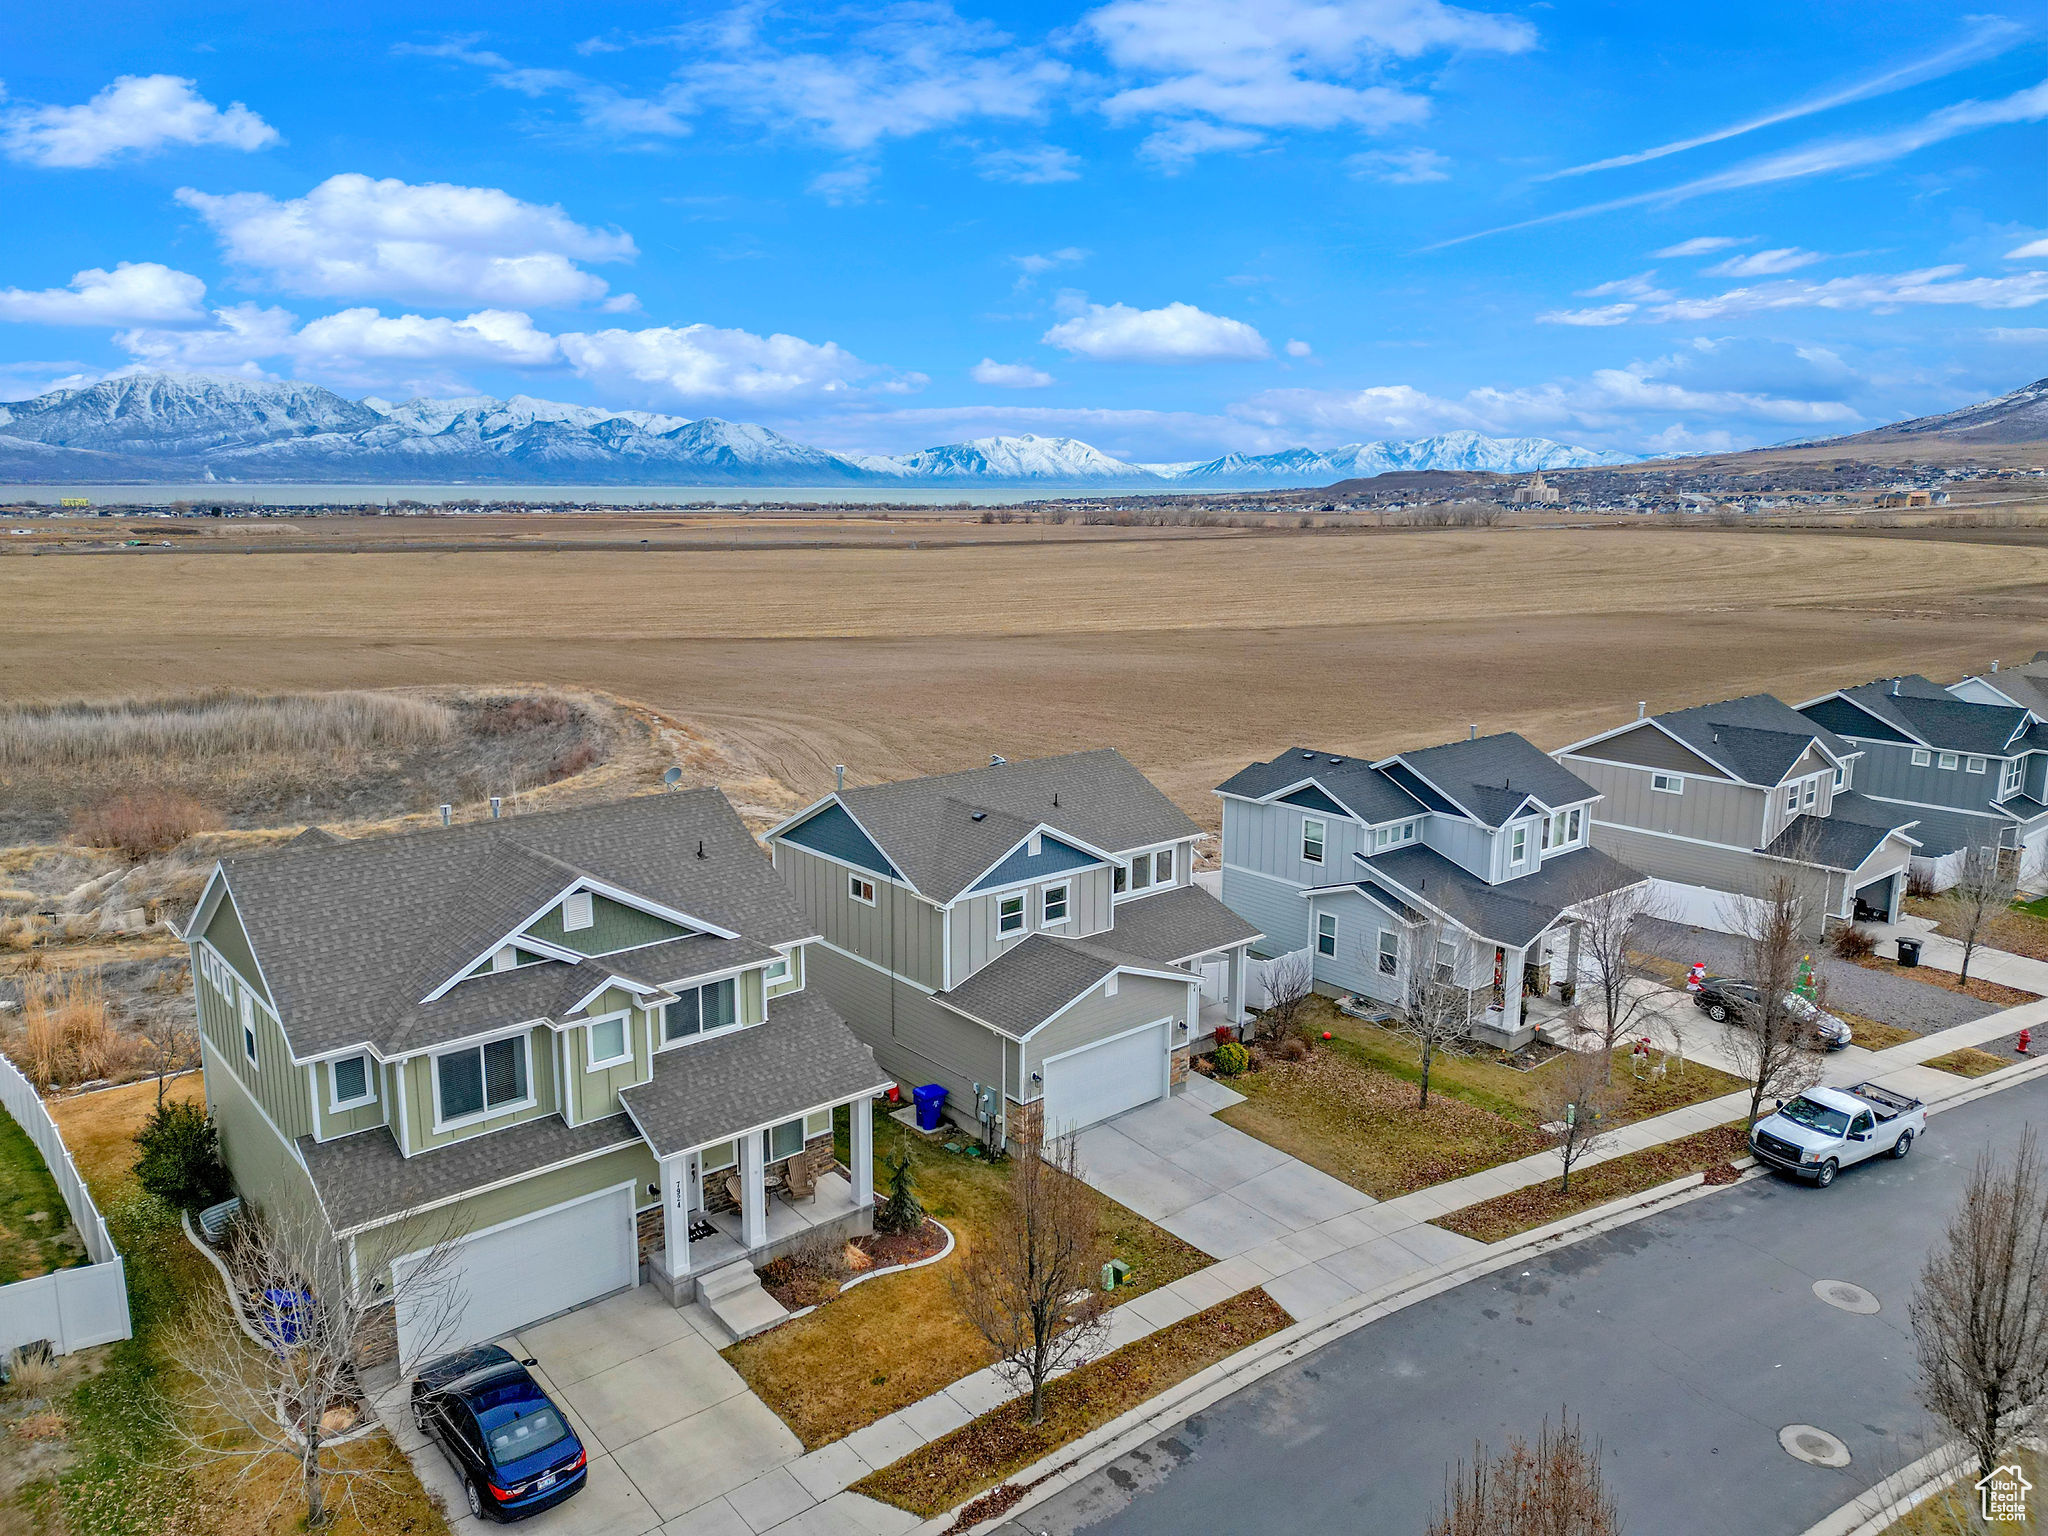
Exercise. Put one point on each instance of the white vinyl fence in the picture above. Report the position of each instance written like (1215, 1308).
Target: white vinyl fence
(1256, 971)
(72, 1308)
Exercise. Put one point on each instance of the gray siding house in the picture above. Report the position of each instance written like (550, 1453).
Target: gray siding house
(1969, 771)
(1027, 935)
(1717, 801)
(1478, 848)
(567, 1039)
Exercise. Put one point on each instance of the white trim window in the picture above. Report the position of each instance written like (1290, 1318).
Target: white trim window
(1390, 952)
(1010, 916)
(248, 1017)
(1326, 934)
(1841, 779)
(1315, 836)
(610, 1041)
(817, 1123)
(861, 889)
(1791, 799)
(718, 1157)
(579, 911)
(1052, 905)
(1393, 837)
(778, 971)
(1811, 797)
(1518, 845)
(1446, 963)
(707, 1010)
(1667, 783)
(480, 1080)
(1949, 761)
(1162, 867)
(1922, 758)
(1973, 765)
(1141, 873)
(2011, 777)
(785, 1140)
(351, 1082)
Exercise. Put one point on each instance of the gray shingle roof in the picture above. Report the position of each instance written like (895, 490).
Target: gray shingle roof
(1922, 709)
(1510, 914)
(2025, 685)
(1829, 841)
(929, 828)
(1175, 925)
(1492, 777)
(1757, 737)
(1352, 781)
(802, 1057)
(365, 1178)
(344, 934)
(1029, 982)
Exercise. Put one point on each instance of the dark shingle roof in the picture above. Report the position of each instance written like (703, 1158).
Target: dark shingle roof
(351, 937)
(365, 1178)
(802, 1057)
(1493, 777)
(1834, 842)
(1926, 712)
(1352, 781)
(1031, 981)
(1757, 737)
(1510, 914)
(1176, 925)
(2026, 685)
(929, 828)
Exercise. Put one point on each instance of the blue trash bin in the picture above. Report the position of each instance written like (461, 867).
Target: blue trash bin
(928, 1097)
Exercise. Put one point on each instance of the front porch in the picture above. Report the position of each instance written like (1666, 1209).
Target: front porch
(787, 1222)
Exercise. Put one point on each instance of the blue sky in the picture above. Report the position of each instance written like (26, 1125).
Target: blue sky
(1170, 227)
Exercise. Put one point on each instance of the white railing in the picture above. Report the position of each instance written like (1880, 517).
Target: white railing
(72, 1308)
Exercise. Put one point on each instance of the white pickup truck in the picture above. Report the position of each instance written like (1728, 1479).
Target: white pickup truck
(1824, 1130)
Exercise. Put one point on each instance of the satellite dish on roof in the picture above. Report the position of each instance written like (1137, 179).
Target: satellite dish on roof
(672, 777)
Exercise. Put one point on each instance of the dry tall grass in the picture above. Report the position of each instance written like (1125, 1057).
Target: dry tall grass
(67, 1032)
(92, 734)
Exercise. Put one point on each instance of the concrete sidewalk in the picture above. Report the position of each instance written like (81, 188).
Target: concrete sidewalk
(1946, 954)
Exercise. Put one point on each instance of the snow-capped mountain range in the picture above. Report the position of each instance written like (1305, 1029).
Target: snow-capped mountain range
(158, 427)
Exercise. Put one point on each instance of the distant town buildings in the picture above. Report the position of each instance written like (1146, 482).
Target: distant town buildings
(1535, 492)
(1906, 498)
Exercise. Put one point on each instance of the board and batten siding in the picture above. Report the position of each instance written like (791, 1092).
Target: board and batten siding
(1139, 1000)
(794, 982)
(273, 1081)
(225, 933)
(901, 930)
(1267, 838)
(1649, 746)
(257, 1157)
(592, 1093)
(1714, 811)
(1889, 774)
(1729, 870)
(973, 918)
(1274, 907)
(421, 1104)
(915, 1040)
(1810, 765)
(613, 926)
(346, 1122)
(1355, 966)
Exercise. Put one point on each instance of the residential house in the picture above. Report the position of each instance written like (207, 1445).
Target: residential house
(566, 1040)
(1971, 772)
(1717, 801)
(1478, 849)
(1027, 935)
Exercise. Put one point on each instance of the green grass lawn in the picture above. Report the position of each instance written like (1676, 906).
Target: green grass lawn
(1350, 1108)
(36, 1235)
(896, 1339)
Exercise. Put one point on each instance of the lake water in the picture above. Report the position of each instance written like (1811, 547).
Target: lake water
(584, 495)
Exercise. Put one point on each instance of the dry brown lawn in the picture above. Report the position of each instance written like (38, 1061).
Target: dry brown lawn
(1192, 654)
(1710, 1152)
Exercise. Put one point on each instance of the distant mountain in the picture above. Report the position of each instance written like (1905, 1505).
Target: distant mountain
(158, 427)
(2019, 417)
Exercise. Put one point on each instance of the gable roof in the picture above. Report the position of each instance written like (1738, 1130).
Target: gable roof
(1034, 979)
(1928, 714)
(1168, 927)
(944, 831)
(1493, 777)
(1843, 839)
(344, 934)
(1512, 914)
(1352, 782)
(2026, 685)
(1756, 738)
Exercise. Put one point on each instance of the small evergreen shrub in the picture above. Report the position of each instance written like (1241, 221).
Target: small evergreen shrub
(180, 1159)
(1231, 1059)
(901, 1212)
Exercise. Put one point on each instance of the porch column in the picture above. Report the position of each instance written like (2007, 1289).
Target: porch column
(753, 1192)
(1571, 958)
(1512, 961)
(1234, 987)
(860, 1151)
(675, 1216)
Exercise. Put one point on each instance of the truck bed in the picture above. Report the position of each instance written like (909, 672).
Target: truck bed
(1889, 1105)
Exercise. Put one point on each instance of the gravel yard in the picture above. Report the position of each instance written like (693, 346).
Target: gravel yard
(1890, 999)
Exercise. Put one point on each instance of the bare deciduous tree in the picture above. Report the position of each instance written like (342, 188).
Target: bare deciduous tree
(1438, 1009)
(1572, 1100)
(1029, 1286)
(1972, 908)
(172, 1044)
(1553, 1488)
(1774, 1050)
(1290, 981)
(1613, 992)
(275, 1366)
(1980, 1315)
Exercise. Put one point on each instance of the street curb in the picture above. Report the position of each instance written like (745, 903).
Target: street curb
(1876, 1509)
(1100, 1446)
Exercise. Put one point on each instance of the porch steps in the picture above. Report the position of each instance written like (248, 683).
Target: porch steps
(732, 1293)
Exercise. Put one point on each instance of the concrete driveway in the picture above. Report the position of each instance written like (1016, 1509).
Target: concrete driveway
(671, 1429)
(1312, 1240)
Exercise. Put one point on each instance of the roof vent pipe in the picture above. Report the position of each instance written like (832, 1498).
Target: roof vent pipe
(1994, 663)
(447, 815)
(1895, 687)
(700, 847)
(1472, 732)
(1642, 708)
(838, 777)
(497, 805)
(997, 760)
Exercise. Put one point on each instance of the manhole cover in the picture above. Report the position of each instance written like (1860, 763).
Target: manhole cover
(1816, 1447)
(1845, 1294)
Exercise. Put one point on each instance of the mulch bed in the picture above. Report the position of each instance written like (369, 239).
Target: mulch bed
(1506, 1215)
(1530, 1056)
(1984, 991)
(797, 1280)
(987, 1450)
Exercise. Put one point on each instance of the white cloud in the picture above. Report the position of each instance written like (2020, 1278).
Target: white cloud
(138, 114)
(1009, 375)
(848, 183)
(355, 237)
(1704, 245)
(1035, 264)
(1400, 167)
(1767, 263)
(2031, 336)
(2033, 250)
(1178, 143)
(1174, 333)
(1605, 314)
(1282, 64)
(602, 108)
(501, 338)
(1299, 349)
(1638, 287)
(135, 292)
(1029, 166)
(703, 363)
(1867, 291)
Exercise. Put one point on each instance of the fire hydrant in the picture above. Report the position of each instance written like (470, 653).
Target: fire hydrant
(2025, 1039)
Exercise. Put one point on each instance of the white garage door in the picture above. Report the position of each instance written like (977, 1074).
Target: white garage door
(1096, 1081)
(505, 1277)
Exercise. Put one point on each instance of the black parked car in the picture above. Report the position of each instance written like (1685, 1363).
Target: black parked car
(1727, 1001)
(510, 1445)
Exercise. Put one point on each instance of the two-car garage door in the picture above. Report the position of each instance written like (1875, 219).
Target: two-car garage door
(1093, 1082)
(507, 1276)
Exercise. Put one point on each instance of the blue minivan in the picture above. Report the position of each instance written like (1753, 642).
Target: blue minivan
(511, 1446)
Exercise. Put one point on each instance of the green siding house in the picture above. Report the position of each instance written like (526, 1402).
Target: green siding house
(581, 1046)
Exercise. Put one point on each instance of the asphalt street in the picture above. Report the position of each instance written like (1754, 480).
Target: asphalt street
(1684, 1342)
